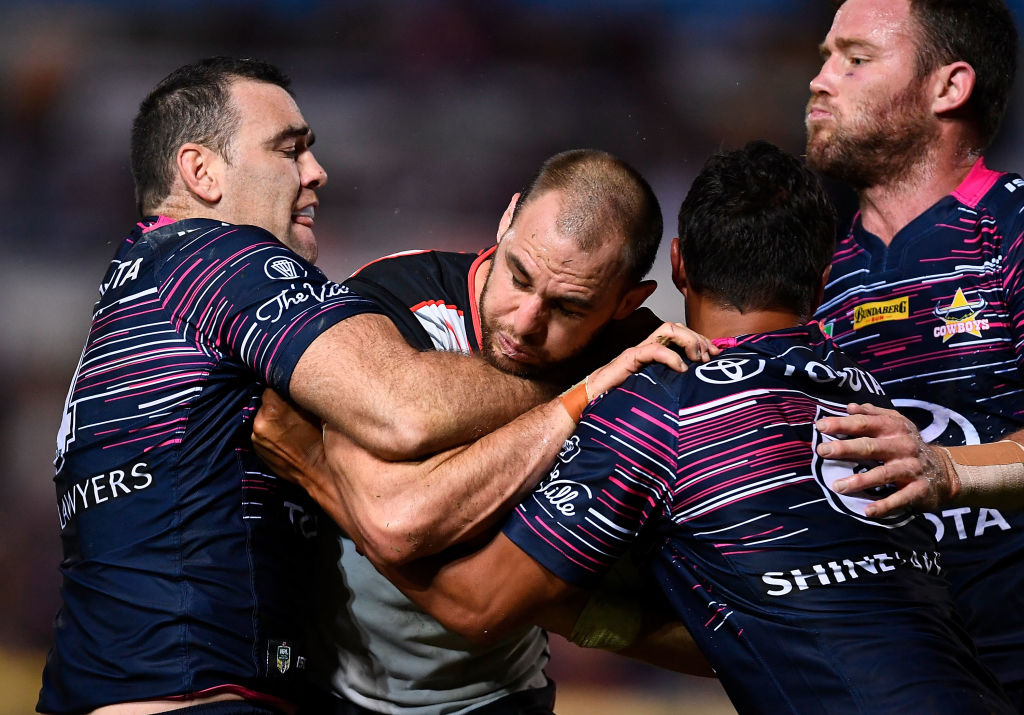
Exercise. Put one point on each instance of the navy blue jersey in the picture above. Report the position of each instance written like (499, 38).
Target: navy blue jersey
(800, 602)
(938, 318)
(184, 567)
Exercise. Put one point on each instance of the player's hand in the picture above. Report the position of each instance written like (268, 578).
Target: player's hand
(288, 439)
(875, 434)
(653, 349)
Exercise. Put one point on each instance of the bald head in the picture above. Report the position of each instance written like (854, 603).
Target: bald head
(603, 199)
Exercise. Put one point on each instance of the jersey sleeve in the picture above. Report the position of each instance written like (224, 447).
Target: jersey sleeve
(373, 281)
(238, 291)
(613, 476)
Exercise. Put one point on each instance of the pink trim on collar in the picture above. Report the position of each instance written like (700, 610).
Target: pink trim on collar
(977, 183)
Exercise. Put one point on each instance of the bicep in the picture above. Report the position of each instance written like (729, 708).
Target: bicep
(345, 377)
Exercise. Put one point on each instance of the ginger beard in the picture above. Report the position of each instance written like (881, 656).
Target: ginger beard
(879, 144)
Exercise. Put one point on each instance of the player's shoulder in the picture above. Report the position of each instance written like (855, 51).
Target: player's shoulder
(417, 259)
(998, 194)
(208, 238)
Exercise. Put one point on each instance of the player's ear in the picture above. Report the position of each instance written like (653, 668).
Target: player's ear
(952, 87)
(200, 169)
(678, 269)
(634, 298)
(506, 218)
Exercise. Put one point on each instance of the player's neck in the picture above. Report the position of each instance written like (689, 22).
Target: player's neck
(714, 320)
(887, 208)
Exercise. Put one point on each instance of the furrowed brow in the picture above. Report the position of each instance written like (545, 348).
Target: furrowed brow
(519, 267)
(844, 44)
(294, 132)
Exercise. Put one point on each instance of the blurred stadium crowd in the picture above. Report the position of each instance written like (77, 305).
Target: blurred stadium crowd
(428, 116)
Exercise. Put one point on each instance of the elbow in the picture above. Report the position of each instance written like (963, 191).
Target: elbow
(479, 627)
(400, 441)
(393, 537)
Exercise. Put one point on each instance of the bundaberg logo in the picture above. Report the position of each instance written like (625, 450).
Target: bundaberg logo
(880, 311)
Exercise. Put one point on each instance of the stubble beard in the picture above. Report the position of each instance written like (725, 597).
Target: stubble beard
(553, 371)
(884, 150)
(489, 349)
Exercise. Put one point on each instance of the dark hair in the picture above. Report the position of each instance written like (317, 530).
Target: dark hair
(603, 196)
(980, 33)
(756, 231)
(191, 104)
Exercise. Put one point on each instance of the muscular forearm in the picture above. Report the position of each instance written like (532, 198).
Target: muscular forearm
(363, 378)
(402, 511)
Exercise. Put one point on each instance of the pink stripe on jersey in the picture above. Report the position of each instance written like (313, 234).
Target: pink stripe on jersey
(161, 221)
(979, 180)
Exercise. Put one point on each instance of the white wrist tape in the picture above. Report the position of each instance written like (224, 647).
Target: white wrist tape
(989, 472)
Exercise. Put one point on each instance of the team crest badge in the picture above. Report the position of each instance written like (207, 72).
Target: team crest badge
(284, 658)
(960, 317)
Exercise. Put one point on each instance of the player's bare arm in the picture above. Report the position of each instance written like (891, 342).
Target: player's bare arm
(497, 589)
(398, 511)
(400, 402)
(927, 475)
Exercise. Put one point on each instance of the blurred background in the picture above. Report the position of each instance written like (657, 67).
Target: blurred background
(429, 115)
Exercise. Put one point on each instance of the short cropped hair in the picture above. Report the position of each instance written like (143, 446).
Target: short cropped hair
(757, 230)
(603, 196)
(192, 104)
(980, 33)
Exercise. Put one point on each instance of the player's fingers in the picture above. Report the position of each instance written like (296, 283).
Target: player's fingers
(887, 423)
(876, 477)
(864, 408)
(696, 346)
(643, 355)
(856, 449)
(629, 362)
(905, 498)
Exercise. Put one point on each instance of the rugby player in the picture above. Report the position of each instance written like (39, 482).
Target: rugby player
(926, 290)
(582, 234)
(187, 564)
(793, 595)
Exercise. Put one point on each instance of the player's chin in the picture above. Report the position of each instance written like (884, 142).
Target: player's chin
(302, 240)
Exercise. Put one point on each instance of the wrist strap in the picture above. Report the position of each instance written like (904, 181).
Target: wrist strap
(576, 399)
(986, 471)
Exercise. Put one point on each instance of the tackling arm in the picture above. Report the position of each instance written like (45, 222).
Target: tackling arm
(363, 377)
(400, 511)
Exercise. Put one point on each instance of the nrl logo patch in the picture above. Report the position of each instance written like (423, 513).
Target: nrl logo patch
(284, 658)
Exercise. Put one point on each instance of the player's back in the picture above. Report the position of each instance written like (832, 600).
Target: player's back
(810, 605)
(800, 602)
